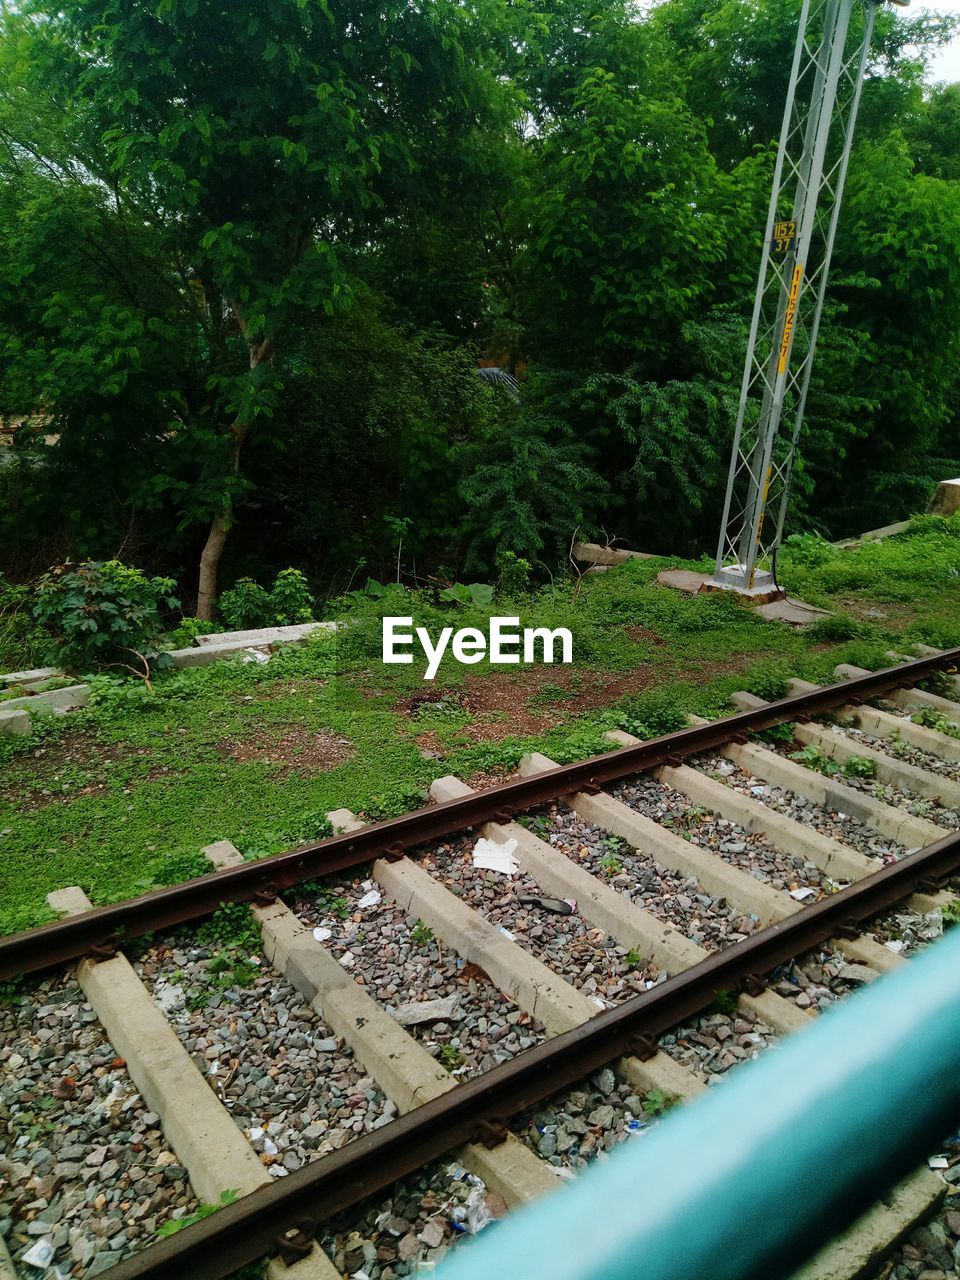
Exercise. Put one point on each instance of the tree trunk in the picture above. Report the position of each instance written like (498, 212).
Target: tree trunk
(217, 537)
(209, 564)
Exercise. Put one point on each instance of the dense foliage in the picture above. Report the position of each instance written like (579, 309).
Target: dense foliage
(250, 257)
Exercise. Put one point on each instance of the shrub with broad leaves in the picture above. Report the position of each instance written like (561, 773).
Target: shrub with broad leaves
(104, 614)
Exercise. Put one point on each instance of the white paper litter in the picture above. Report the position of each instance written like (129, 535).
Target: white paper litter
(41, 1255)
(369, 899)
(347, 959)
(491, 856)
(322, 934)
(506, 933)
(894, 945)
(801, 895)
(270, 1148)
(938, 1162)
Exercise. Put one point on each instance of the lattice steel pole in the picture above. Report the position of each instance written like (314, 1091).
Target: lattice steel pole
(823, 96)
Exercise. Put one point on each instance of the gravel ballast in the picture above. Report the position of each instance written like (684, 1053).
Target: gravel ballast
(829, 822)
(900, 798)
(401, 964)
(409, 1231)
(85, 1166)
(676, 899)
(750, 853)
(293, 1087)
(590, 959)
(579, 1124)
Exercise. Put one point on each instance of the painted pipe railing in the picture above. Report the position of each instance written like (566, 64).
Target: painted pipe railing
(753, 1177)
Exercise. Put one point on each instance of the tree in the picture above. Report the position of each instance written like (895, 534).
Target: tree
(621, 232)
(253, 139)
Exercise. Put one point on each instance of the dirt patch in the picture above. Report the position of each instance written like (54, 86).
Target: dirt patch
(67, 768)
(293, 750)
(488, 778)
(541, 698)
(643, 635)
(528, 701)
(302, 685)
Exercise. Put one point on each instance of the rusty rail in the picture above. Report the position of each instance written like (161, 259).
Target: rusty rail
(76, 936)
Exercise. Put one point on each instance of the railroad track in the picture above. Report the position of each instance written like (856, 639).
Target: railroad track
(678, 905)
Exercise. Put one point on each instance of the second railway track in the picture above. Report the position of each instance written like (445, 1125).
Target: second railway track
(702, 865)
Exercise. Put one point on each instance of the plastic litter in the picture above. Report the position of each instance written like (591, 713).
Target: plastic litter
(556, 906)
(254, 655)
(369, 899)
(322, 934)
(491, 856)
(473, 1215)
(41, 1255)
(347, 959)
(894, 945)
(506, 933)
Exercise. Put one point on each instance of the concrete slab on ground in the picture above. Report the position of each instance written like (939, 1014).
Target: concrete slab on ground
(593, 553)
(36, 676)
(13, 721)
(683, 580)
(796, 612)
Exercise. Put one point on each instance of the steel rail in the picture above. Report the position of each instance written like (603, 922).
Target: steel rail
(285, 1216)
(99, 931)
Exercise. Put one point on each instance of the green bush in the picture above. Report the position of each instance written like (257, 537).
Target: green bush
(104, 614)
(768, 680)
(187, 631)
(247, 605)
(291, 598)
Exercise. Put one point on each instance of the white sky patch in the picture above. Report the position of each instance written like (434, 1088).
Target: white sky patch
(945, 63)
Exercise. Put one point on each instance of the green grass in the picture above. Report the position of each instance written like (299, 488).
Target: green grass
(143, 780)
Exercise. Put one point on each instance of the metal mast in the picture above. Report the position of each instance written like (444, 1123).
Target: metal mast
(819, 117)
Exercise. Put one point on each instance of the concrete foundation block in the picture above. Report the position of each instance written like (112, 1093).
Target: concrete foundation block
(946, 498)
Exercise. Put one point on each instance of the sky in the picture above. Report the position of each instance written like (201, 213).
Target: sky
(946, 64)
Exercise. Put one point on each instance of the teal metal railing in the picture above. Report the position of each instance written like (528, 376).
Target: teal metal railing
(752, 1178)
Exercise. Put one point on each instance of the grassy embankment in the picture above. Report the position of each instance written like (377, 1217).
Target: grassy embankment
(122, 796)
